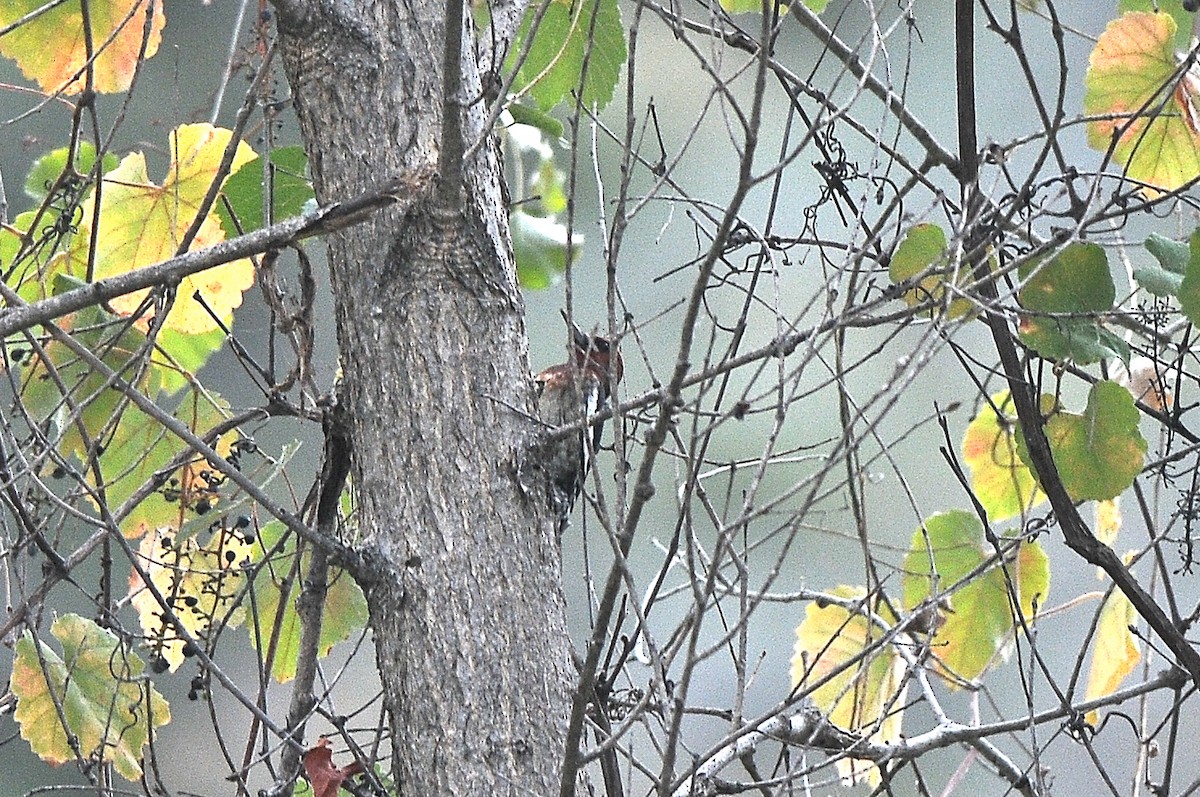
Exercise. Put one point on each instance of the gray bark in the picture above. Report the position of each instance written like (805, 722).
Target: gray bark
(463, 567)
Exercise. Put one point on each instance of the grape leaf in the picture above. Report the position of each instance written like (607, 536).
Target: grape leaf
(107, 707)
(199, 582)
(1132, 71)
(1000, 480)
(1116, 650)
(1098, 453)
(924, 246)
(51, 48)
(1173, 258)
(345, 607)
(1066, 296)
(867, 695)
(142, 223)
(291, 191)
(978, 623)
(46, 169)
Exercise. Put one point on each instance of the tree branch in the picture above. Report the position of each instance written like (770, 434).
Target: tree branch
(403, 190)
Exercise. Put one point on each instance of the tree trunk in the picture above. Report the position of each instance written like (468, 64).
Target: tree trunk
(463, 577)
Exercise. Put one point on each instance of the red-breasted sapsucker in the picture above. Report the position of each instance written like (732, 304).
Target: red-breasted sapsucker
(568, 393)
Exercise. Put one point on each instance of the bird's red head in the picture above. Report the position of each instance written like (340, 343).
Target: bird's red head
(597, 355)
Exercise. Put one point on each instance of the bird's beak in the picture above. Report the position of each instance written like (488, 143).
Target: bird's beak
(582, 340)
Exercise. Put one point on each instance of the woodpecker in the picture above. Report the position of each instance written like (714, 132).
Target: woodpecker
(568, 393)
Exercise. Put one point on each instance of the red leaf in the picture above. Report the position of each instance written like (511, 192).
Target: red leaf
(325, 778)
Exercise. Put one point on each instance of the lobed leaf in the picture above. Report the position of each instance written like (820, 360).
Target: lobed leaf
(291, 191)
(999, 479)
(978, 621)
(142, 223)
(51, 49)
(571, 33)
(868, 695)
(1099, 453)
(1150, 115)
(107, 706)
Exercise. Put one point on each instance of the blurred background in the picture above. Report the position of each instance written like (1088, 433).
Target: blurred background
(906, 479)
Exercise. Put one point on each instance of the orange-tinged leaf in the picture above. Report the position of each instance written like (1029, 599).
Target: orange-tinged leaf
(867, 696)
(142, 223)
(107, 707)
(1132, 71)
(999, 479)
(1116, 651)
(978, 623)
(51, 49)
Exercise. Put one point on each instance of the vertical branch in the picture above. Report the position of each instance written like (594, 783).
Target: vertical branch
(452, 149)
(310, 606)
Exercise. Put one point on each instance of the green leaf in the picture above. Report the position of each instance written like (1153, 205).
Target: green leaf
(540, 248)
(1173, 257)
(978, 622)
(1189, 288)
(924, 246)
(46, 169)
(570, 31)
(345, 607)
(291, 190)
(1098, 453)
(756, 6)
(1158, 281)
(33, 265)
(550, 189)
(180, 356)
(109, 709)
(140, 447)
(535, 117)
(1076, 284)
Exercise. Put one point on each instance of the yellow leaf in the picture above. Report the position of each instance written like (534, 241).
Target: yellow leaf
(201, 584)
(1002, 482)
(1108, 524)
(51, 48)
(1147, 110)
(1117, 651)
(142, 223)
(105, 705)
(867, 696)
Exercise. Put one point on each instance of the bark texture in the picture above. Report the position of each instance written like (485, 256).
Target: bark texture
(463, 566)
